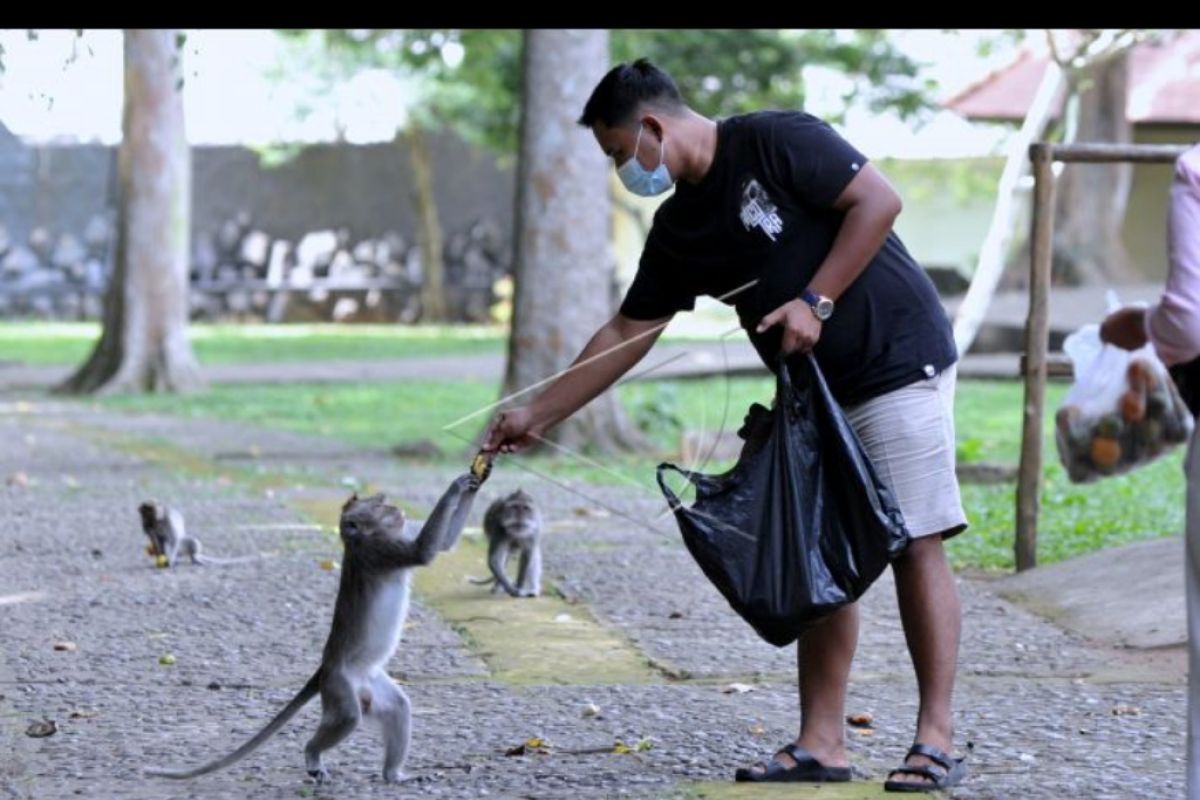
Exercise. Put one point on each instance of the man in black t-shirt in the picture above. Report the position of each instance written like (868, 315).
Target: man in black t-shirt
(777, 215)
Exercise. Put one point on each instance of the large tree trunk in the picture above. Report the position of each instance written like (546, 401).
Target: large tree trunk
(144, 344)
(1090, 208)
(429, 229)
(564, 264)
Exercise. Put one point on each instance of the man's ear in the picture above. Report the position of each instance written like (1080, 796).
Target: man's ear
(653, 124)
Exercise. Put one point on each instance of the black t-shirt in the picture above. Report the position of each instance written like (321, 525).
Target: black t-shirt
(765, 211)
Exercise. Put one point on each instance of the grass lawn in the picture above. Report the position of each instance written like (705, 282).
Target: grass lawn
(68, 343)
(65, 343)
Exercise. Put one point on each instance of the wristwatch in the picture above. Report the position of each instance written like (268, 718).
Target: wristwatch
(822, 306)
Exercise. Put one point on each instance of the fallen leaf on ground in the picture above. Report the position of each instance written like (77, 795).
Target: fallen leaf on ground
(40, 730)
(640, 746)
(166, 659)
(862, 719)
(736, 688)
(535, 745)
(591, 710)
(1122, 710)
(65, 646)
(589, 511)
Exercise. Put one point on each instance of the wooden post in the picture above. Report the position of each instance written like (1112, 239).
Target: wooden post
(1106, 153)
(1034, 364)
(1037, 342)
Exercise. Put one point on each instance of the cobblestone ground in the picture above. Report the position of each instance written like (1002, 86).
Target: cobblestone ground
(640, 634)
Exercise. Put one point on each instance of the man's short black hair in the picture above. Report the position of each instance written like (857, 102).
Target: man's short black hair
(626, 88)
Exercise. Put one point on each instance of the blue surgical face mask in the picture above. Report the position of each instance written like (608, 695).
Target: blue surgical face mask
(642, 181)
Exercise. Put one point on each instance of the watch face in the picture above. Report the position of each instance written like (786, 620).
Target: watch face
(824, 308)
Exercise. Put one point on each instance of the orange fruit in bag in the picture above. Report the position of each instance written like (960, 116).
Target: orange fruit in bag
(1141, 375)
(1105, 452)
(1133, 406)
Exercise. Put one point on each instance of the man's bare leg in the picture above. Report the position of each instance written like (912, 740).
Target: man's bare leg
(932, 619)
(823, 657)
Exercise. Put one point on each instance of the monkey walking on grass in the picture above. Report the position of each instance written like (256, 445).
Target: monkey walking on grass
(513, 525)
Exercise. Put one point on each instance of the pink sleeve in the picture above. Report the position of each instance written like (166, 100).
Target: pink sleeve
(1174, 324)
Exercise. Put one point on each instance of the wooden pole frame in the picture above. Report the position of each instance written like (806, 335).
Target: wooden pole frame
(1037, 322)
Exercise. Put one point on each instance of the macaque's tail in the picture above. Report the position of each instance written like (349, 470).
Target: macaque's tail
(298, 702)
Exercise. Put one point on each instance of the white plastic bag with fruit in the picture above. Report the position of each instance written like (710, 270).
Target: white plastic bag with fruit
(1122, 412)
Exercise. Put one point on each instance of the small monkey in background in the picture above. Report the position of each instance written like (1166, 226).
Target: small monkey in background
(513, 524)
(169, 539)
(368, 618)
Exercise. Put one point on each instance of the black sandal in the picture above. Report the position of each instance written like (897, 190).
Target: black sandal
(807, 769)
(942, 774)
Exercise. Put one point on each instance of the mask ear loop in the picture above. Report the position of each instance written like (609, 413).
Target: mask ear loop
(662, 146)
(638, 141)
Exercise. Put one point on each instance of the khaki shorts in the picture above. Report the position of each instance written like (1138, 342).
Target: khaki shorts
(909, 436)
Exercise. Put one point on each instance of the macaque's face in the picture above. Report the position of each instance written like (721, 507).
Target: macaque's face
(370, 518)
(149, 513)
(520, 514)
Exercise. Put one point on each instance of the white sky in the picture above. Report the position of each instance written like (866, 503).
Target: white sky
(951, 60)
(229, 98)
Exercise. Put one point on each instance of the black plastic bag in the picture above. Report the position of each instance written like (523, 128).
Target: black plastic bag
(801, 525)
